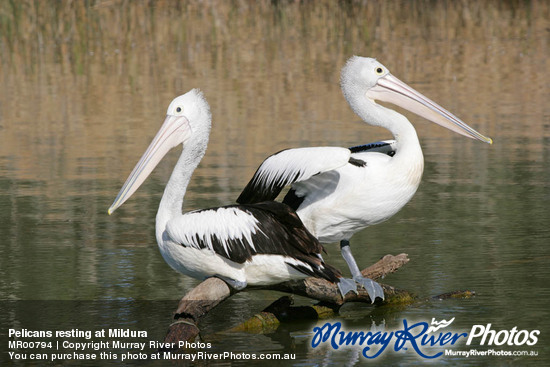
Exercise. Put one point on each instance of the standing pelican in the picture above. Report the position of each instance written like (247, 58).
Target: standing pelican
(256, 244)
(339, 191)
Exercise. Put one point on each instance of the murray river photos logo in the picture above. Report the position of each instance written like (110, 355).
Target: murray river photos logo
(426, 340)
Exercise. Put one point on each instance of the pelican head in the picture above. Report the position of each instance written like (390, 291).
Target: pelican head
(187, 120)
(366, 78)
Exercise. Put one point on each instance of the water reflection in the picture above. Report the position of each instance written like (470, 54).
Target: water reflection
(85, 86)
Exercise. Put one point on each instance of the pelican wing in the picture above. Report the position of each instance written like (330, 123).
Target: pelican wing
(289, 166)
(325, 183)
(238, 232)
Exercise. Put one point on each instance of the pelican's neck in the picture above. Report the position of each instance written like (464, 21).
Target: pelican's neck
(407, 143)
(172, 200)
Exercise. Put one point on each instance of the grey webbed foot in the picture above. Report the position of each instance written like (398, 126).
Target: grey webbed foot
(373, 289)
(347, 285)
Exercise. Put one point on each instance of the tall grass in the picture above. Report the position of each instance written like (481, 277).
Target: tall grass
(86, 78)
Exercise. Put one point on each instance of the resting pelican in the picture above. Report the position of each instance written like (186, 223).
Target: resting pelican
(256, 244)
(339, 191)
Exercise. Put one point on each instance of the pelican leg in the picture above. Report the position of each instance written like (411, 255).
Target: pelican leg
(373, 289)
(235, 284)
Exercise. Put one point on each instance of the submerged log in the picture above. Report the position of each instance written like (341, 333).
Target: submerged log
(282, 310)
(455, 294)
(211, 292)
(194, 305)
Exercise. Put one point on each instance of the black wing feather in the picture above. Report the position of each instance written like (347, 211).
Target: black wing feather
(379, 146)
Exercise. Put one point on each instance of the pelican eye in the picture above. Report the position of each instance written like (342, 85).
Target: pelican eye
(379, 71)
(178, 110)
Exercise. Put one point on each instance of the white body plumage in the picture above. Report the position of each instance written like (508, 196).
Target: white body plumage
(188, 245)
(340, 202)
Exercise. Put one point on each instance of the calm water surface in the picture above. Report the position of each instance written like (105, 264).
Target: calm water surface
(85, 85)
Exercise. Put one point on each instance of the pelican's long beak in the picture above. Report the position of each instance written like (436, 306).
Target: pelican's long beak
(392, 90)
(174, 130)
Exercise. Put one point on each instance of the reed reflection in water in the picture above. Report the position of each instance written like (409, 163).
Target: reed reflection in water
(85, 86)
